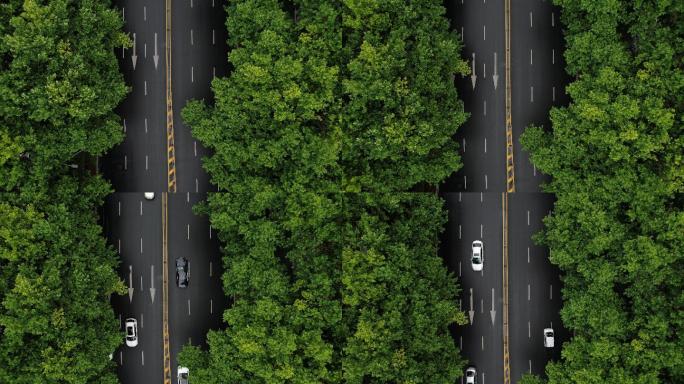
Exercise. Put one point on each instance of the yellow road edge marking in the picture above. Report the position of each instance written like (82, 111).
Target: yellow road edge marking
(171, 151)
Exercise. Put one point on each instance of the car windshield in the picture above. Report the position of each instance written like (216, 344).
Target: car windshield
(476, 259)
(549, 334)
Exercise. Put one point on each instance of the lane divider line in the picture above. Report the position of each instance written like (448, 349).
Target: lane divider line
(165, 289)
(504, 223)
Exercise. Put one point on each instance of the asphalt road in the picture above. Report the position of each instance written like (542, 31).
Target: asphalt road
(478, 216)
(132, 224)
(538, 78)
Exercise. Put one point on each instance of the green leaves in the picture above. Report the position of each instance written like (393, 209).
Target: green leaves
(334, 280)
(615, 157)
(59, 83)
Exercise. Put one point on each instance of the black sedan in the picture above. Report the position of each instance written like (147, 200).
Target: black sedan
(182, 272)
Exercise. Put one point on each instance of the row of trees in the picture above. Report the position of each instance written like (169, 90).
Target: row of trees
(59, 83)
(332, 112)
(616, 157)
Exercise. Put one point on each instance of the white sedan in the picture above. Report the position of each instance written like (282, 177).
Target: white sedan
(477, 257)
(548, 337)
(131, 332)
(471, 375)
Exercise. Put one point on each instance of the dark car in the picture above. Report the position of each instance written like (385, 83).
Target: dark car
(182, 272)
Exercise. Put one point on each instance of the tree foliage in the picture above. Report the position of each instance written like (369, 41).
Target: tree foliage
(334, 279)
(615, 155)
(59, 84)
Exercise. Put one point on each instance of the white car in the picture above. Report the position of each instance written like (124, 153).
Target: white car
(183, 373)
(149, 195)
(548, 337)
(131, 332)
(471, 375)
(477, 257)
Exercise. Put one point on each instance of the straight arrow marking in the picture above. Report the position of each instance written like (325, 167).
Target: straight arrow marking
(134, 57)
(155, 56)
(493, 312)
(152, 290)
(495, 76)
(130, 283)
(473, 77)
(471, 313)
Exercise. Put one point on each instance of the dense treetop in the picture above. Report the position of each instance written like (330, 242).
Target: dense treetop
(59, 83)
(308, 131)
(615, 155)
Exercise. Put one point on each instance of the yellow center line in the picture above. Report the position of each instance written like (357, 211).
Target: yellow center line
(510, 169)
(171, 150)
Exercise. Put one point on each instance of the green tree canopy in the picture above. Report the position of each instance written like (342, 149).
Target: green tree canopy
(615, 156)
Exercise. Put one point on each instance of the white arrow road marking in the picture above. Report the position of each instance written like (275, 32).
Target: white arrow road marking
(495, 76)
(134, 57)
(156, 55)
(471, 313)
(130, 283)
(473, 78)
(152, 290)
(493, 311)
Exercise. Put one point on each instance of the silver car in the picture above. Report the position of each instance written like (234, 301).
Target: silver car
(182, 375)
